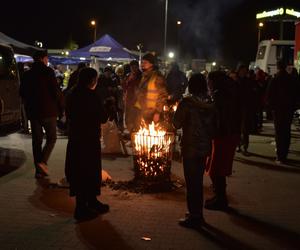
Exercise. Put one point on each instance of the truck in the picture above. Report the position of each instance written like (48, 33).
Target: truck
(10, 104)
(271, 51)
(297, 46)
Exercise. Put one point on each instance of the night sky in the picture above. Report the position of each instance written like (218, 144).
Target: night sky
(223, 30)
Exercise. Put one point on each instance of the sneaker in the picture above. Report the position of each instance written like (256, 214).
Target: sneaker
(43, 168)
(192, 222)
(280, 162)
(99, 207)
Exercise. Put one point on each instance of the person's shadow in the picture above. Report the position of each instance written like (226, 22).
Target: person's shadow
(100, 234)
(223, 240)
(283, 238)
(293, 166)
(96, 233)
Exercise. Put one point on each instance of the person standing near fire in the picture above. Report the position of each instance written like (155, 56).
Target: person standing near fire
(85, 112)
(151, 92)
(196, 116)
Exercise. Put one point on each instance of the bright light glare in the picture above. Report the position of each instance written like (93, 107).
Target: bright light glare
(171, 54)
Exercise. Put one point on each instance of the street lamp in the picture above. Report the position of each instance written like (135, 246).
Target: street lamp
(94, 23)
(260, 26)
(178, 29)
(171, 54)
(166, 28)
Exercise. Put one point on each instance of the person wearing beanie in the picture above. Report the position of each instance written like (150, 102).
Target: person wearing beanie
(151, 93)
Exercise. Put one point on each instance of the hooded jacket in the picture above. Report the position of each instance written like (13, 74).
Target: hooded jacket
(197, 118)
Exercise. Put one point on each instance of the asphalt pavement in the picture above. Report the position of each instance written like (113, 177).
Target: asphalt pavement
(263, 197)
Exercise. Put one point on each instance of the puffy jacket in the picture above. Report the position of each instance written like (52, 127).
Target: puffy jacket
(197, 118)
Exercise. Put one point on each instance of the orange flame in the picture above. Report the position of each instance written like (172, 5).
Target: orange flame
(152, 140)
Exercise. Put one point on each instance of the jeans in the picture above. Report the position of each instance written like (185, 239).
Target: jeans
(42, 153)
(193, 173)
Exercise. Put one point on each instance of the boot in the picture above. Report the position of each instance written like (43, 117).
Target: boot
(219, 202)
(97, 206)
(82, 212)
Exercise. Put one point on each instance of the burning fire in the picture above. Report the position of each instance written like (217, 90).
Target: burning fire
(152, 150)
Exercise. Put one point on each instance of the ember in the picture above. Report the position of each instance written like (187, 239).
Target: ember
(152, 149)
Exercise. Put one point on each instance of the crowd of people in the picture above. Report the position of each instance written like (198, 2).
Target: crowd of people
(216, 117)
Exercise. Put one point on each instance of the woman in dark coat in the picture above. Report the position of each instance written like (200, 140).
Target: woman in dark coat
(225, 93)
(85, 113)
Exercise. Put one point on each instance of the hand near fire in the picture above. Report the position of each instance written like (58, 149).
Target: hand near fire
(156, 117)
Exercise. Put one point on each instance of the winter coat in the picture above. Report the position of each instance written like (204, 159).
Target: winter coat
(197, 118)
(151, 93)
(228, 107)
(130, 87)
(85, 113)
(282, 92)
(40, 92)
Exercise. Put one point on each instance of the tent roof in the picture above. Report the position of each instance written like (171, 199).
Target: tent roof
(18, 47)
(106, 48)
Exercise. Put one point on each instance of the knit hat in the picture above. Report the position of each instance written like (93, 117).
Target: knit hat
(150, 58)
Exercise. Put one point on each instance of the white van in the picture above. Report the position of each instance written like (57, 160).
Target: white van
(10, 105)
(271, 51)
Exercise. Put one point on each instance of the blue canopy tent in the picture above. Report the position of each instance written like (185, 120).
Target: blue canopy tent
(104, 49)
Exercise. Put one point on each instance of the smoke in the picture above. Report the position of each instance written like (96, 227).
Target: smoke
(201, 29)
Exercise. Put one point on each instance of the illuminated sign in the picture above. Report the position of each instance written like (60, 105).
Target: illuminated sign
(270, 13)
(292, 12)
(278, 12)
(100, 49)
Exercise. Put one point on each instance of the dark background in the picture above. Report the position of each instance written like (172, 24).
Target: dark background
(222, 30)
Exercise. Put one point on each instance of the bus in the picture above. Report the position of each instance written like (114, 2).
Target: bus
(10, 103)
(271, 51)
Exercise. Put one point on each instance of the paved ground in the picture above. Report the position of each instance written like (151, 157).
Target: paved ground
(264, 198)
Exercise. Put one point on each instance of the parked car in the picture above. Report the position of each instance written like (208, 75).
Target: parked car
(10, 103)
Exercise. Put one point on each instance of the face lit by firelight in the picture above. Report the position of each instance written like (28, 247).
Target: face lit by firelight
(146, 65)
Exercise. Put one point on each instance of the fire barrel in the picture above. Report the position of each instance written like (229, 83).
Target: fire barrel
(152, 156)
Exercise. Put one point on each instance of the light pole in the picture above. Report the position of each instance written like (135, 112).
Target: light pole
(260, 26)
(178, 44)
(94, 23)
(166, 29)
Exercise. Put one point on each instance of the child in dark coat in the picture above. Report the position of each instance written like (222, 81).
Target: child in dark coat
(196, 116)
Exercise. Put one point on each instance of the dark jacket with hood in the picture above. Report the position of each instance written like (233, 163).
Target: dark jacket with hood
(196, 116)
